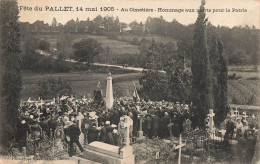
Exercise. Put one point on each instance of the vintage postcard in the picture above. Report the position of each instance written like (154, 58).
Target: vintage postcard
(129, 81)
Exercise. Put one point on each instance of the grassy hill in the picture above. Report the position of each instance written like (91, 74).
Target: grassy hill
(116, 47)
(244, 92)
(84, 83)
(157, 38)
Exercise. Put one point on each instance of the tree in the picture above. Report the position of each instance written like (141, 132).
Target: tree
(70, 26)
(214, 63)
(179, 80)
(154, 85)
(52, 87)
(54, 22)
(116, 27)
(44, 45)
(201, 84)
(222, 84)
(38, 26)
(11, 80)
(136, 27)
(219, 77)
(64, 44)
(154, 82)
(86, 49)
(29, 57)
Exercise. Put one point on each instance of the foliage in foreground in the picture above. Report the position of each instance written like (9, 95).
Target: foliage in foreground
(11, 80)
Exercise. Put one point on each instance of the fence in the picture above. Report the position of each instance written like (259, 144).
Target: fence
(200, 143)
(42, 146)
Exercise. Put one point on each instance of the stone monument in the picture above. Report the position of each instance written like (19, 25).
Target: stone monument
(140, 133)
(109, 93)
(109, 154)
(125, 129)
(211, 126)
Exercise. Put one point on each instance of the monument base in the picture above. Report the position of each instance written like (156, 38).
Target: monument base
(108, 154)
(107, 159)
(78, 160)
(140, 136)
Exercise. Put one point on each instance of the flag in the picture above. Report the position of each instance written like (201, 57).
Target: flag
(136, 97)
(98, 85)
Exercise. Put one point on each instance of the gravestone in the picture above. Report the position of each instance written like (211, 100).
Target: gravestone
(125, 129)
(79, 160)
(211, 129)
(80, 117)
(110, 154)
(236, 113)
(186, 127)
(140, 133)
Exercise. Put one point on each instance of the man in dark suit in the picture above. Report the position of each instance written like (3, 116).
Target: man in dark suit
(74, 133)
(155, 120)
(85, 124)
(149, 125)
(102, 136)
(92, 133)
(164, 125)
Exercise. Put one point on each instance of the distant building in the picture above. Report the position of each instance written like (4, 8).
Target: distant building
(126, 29)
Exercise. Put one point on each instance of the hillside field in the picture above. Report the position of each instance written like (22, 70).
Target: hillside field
(116, 47)
(157, 38)
(84, 83)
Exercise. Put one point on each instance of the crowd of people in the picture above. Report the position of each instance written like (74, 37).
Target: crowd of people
(159, 119)
(238, 126)
(43, 117)
(245, 131)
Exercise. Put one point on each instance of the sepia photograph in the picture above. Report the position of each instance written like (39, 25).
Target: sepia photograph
(130, 81)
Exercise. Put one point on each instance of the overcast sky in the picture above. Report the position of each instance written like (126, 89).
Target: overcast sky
(251, 17)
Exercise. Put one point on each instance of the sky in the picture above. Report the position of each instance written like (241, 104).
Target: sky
(250, 15)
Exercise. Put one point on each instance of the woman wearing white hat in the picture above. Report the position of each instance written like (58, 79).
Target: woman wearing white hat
(109, 131)
(239, 128)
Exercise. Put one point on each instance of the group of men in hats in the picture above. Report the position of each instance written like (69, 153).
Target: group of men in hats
(159, 119)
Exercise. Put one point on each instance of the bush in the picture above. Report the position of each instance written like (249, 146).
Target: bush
(235, 100)
(234, 76)
(135, 41)
(253, 78)
(252, 100)
(51, 87)
(44, 45)
(112, 35)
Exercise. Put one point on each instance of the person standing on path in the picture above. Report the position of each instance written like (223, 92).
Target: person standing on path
(74, 133)
(85, 124)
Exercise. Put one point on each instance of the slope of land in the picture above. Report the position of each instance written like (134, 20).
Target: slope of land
(84, 83)
(116, 47)
(157, 38)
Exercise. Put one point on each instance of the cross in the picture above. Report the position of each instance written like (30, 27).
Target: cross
(211, 122)
(211, 114)
(244, 115)
(236, 113)
(179, 147)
